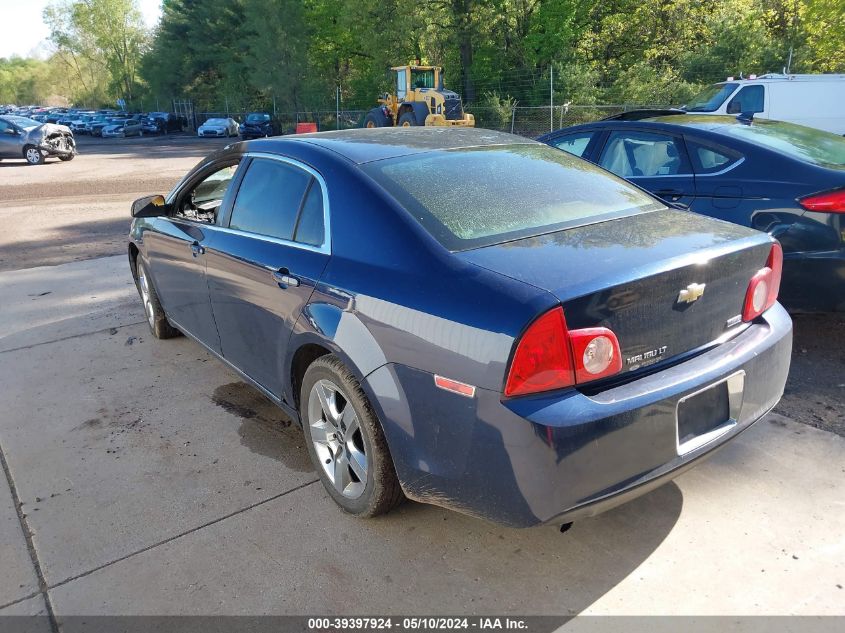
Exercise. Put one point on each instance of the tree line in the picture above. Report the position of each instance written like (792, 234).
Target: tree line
(304, 54)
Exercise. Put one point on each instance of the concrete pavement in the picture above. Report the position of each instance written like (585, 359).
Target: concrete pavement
(153, 481)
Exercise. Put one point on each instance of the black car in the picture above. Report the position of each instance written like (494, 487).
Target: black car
(468, 318)
(167, 121)
(257, 125)
(785, 179)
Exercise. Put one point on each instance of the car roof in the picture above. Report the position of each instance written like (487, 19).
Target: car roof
(366, 145)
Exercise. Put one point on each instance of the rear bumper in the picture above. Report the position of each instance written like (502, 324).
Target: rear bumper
(565, 456)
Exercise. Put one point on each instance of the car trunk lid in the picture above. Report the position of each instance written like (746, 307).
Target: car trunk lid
(666, 282)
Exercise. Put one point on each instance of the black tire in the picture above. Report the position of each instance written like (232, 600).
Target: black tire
(408, 119)
(380, 491)
(33, 155)
(67, 157)
(156, 318)
(376, 118)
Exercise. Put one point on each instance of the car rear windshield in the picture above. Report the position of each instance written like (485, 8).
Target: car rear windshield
(804, 143)
(474, 197)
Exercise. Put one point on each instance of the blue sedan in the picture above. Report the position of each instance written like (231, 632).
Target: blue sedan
(468, 318)
(785, 179)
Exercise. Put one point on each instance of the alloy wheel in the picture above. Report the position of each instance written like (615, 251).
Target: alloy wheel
(143, 284)
(336, 434)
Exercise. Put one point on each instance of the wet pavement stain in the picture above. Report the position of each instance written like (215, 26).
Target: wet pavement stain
(265, 429)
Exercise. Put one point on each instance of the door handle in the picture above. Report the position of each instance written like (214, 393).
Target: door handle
(284, 278)
(670, 194)
(197, 249)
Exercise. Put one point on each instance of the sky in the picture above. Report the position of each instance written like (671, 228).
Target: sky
(23, 33)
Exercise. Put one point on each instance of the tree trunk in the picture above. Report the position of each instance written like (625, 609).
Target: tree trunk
(462, 18)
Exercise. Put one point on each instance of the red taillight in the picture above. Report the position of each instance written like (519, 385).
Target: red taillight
(542, 359)
(829, 201)
(763, 290)
(549, 356)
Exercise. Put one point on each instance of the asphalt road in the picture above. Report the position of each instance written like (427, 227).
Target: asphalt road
(143, 477)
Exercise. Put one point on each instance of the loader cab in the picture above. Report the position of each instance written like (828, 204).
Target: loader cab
(410, 78)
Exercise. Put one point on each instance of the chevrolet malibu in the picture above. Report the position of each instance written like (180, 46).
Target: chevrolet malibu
(468, 318)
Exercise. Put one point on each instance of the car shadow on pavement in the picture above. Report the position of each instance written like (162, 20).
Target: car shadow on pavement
(71, 242)
(463, 564)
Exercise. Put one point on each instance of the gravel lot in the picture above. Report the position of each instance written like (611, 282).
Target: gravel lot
(65, 212)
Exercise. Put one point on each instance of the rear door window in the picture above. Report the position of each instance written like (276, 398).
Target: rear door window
(269, 199)
(310, 228)
(632, 154)
(710, 159)
(750, 99)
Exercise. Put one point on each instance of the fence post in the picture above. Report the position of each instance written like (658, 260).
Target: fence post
(337, 107)
(513, 116)
(551, 98)
(274, 106)
(227, 107)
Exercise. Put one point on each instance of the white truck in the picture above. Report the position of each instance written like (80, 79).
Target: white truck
(816, 101)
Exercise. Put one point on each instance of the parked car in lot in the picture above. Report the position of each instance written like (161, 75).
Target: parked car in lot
(82, 124)
(34, 141)
(151, 125)
(218, 127)
(468, 318)
(96, 126)
(168, 121)
(123, 128)
(811, 100)
(257, 125)
(777, 177)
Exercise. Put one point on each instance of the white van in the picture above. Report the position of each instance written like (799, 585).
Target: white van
(813, 100)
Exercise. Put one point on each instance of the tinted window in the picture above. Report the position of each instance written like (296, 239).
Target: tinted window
(633, 154)
(310, 229)
(573, 143)
(710, 160)
(804, 143)
(749, 99)
(476, 196)
(269, 198)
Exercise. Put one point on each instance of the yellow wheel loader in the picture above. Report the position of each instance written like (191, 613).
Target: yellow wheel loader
(420, 99)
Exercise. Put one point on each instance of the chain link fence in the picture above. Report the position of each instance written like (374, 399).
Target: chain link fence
(530, 121)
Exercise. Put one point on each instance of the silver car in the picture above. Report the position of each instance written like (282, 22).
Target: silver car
(25, 138)
(124, 128)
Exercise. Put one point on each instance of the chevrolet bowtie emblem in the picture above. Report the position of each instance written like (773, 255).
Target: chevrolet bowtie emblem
(691, 293)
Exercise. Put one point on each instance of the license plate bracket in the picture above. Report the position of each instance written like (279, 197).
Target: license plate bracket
(707, 414)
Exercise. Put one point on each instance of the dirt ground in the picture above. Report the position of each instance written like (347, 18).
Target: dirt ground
(62, 212)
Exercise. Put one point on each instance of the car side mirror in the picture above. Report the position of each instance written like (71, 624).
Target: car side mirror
(149, 207)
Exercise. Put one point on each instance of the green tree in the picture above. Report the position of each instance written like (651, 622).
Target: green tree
(92, 36)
